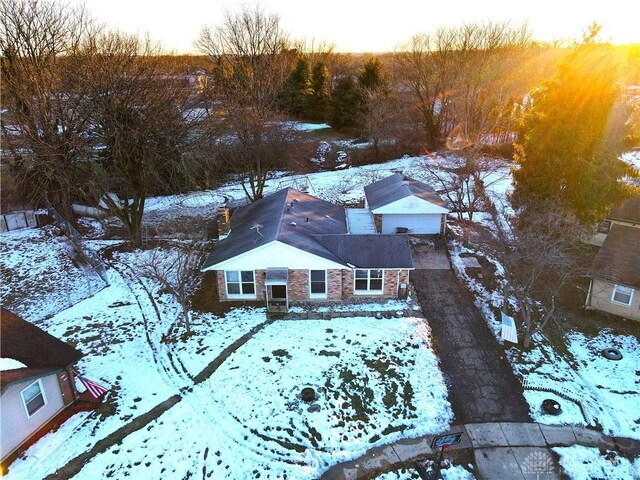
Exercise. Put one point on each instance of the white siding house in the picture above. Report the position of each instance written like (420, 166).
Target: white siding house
(400, 204)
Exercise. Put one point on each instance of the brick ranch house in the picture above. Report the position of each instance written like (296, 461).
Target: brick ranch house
(292, 246)
(36, 381)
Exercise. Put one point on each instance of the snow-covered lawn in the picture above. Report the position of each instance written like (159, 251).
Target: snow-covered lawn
(41, 274)
(376, 381)
(580, 463)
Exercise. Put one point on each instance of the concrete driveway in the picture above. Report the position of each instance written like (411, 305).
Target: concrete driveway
(482, 386)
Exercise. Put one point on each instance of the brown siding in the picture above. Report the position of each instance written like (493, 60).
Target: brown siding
(600, 299)
(65, 380)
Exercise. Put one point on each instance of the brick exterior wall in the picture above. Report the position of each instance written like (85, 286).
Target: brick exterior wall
(334, 285)
(298, 285)
(339, 285)
(222, 291)
(259, 279)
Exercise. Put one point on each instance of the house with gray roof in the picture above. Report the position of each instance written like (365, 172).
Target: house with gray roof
(401, 204)
(615, 270)
(36, 381)
(292, 246)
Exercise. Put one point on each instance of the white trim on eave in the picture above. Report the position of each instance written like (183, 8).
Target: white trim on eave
(244, 261)
(410, 205)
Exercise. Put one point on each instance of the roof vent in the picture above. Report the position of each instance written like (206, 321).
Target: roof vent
(327, 216)
(307, 219)
(293, 224)
(296, 199)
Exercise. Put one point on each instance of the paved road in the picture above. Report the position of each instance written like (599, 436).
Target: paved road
(482, 386)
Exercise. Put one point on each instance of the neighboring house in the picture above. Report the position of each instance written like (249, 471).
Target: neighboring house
(402, 204)
(36, 380)
(615, 271)
(291, 246)
(627, 214)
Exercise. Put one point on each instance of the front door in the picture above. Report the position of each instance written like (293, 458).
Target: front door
(277, 301)
(279, 292)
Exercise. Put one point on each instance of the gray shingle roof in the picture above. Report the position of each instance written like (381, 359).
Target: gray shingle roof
(369, 251)
(618, 260)
(272, 218)
(397, 186)
(39, 351)
(629, 211)
(320, 229)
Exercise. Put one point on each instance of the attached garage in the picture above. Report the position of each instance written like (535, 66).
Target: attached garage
(414, 223)
(402, 204)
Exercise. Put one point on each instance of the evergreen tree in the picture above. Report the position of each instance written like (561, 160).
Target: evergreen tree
(372, 76)
(346, 104)
(297, 89)
(318, 100)
(571, 136)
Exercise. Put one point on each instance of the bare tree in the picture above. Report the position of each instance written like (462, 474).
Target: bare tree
(461, 79)
(39, 42)
(542, 252)
(137, 121)
(251, 58)
(176, 270)
(464, 180)
(382, 118)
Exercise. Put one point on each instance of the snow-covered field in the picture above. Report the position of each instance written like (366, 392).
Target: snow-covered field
(376, 381)
(27, 258)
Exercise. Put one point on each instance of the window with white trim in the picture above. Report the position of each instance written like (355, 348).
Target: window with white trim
(368, 281)
(33, 398)
(318, 283)
(622, 295)
(240, 283)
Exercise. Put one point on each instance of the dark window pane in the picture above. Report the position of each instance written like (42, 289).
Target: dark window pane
(361, 285)
(318, 287)
(278, 292)
(247, 276)
(376, 273)
(317, 275)
(362, 273)
(233, 288)
(248, 288)
(35, 404)
(376, 285)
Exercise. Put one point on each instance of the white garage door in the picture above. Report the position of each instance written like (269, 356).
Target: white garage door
(426, 223)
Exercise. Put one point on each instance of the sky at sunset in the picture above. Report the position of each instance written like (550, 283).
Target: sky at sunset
(372, 25)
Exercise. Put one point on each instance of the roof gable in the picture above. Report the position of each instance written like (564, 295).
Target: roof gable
(396, 187)
(34, 347)
(618, 260)
(628, 211)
